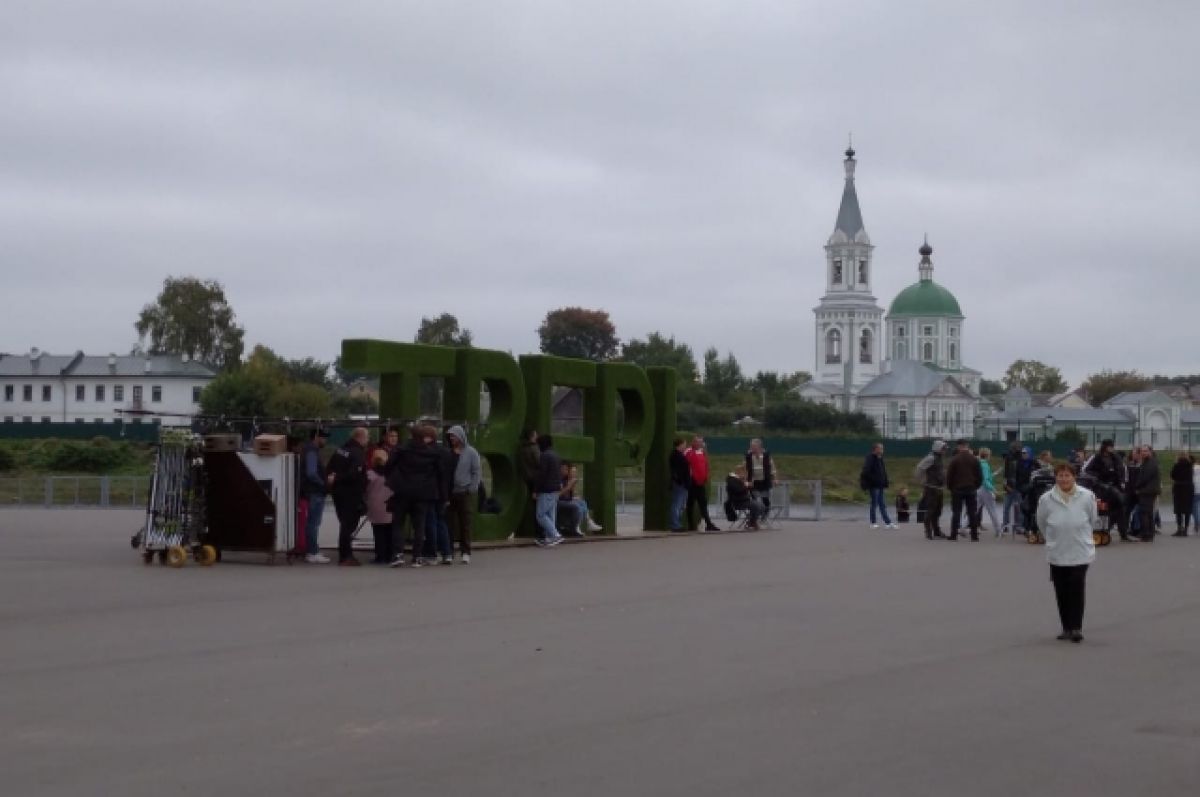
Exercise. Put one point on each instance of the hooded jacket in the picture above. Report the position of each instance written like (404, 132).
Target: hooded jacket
(414, 472)
(467, 468)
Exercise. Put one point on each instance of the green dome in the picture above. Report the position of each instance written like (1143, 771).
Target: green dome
(925, 298)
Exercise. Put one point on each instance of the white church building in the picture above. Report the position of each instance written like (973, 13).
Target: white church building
(904, 369)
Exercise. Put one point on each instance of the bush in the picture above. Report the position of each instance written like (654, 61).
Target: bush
(98, 456)
(6, 460)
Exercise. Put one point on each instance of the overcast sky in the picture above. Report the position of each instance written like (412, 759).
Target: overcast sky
(345, 168)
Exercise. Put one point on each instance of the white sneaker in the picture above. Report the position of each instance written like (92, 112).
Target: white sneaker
(593, 526)
(874, 525)
(317, 559)
(466, 559)
(891, 525)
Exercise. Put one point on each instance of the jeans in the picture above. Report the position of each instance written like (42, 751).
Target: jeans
(1070, 582)
(437, 534)
(316, 508)
(987, 501)
(679, 495)
(877, 501)
(547, 515)
(933, 511)
(1012, 509)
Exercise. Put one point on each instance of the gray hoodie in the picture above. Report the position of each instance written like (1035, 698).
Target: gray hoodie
(468, 472)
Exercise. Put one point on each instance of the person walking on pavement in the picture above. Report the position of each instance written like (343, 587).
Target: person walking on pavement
(1182, 493)
(874, 480)
(697, 461)
(932, 472)
(313, 487)
(1012, 496)
(1066, 515)
(681, 482)
(546, 487)
(348, 478)
(964, 477)
(987, 493)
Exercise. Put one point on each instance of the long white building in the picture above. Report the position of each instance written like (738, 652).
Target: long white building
(79, 388)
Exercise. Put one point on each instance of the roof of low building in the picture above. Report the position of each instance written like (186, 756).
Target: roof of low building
(1064, 415)
(40, 364)
(908, 378)
(1133, 397)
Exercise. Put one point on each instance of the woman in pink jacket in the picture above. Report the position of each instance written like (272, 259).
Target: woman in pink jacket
(380, 518)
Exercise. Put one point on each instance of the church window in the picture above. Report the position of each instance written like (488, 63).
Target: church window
(958, 419)
(954, 332)
(862, 272)
(833, 346)
(946, 419)
(837, 272)
(901, 350)
(900, 331)
(927, 353)
(903, 418)
(932, 420)
(953, 352)
(864, 347)
(927, 331)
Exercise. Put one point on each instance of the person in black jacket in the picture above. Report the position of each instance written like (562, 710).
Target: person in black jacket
(1183, 491)
(874, 480)
(314, 483)
(1109, 470)
(348, 474)
(681, 482)
(438, 545)
(415, 475)
(760, 471)
(738, 496)
(1012, 497)
(546, 487)
(1147, 487)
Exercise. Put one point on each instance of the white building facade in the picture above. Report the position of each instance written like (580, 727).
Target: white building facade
(46, 388)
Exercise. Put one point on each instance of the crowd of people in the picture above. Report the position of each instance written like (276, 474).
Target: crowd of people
(420, 496)
(1128, 489)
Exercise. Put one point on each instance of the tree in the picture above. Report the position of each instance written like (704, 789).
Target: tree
(1100, 387)
(443, 331)
(656, 350)
(722, 378)
(580, 333)
(243, 393)
(777, 386)
(308, 371)
(990, 387)
(1034, 376)
(299, 400)
(192, 317)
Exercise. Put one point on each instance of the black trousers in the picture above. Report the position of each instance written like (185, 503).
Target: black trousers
(349, 512)
(698, 494)
(957, 499)
(405, 508)
(763, 488)
(383, 541)
(933, 510)
(1069, 585)
(1146, 525)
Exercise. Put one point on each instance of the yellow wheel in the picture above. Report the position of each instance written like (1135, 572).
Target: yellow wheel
(1098, 538)
(176, 556)
(206, 555)
(1106, 538)
(1031, 537)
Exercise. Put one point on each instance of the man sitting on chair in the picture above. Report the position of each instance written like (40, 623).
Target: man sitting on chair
(739, 498)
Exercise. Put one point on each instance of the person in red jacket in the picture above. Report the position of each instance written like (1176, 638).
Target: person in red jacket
(697, 461)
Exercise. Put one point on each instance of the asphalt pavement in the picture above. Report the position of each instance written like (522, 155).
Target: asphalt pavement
(814, 659)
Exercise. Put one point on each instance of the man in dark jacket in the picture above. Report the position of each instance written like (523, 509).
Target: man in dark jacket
(1012, 497)
(415, 475)
(760, 472)
(964, 477)
(546, 488)
(1147, 486)
(681, 482)
(874, 480)
(313, 484)
(349, 478)
(1109, 470)
(932, 472)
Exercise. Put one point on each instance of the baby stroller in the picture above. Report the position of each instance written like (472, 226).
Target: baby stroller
(1039, 484)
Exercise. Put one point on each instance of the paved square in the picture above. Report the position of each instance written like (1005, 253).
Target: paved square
(817, 659)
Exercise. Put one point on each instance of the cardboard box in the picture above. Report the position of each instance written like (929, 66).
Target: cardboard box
(269, 445)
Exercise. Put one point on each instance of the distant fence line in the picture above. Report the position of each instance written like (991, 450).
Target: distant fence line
(98, 492)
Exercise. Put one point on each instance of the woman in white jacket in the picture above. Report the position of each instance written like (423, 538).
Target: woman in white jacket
(1066, 515)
